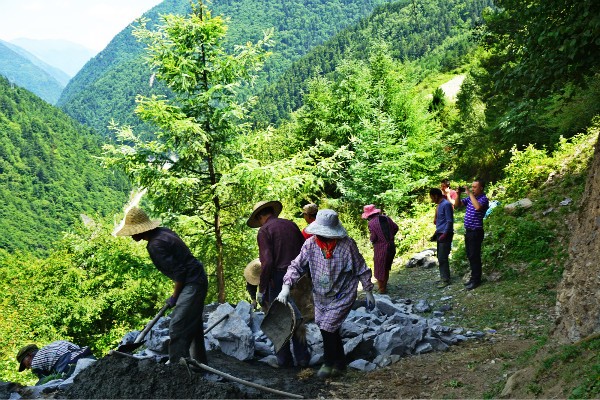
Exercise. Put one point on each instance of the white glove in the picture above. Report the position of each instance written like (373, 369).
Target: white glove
(283, 295)
(370, 301)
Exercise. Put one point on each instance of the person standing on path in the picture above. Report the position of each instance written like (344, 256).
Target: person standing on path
(336, 267)
(444, 232)
(279, 242)
(382, 231)
(476, 204)
(173, 258)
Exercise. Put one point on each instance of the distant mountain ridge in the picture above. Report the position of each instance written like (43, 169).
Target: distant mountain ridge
(23, 70)
(106, 87)
(67, 56)
(61, 76)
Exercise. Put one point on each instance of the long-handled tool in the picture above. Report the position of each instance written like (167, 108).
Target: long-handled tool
(139, 340)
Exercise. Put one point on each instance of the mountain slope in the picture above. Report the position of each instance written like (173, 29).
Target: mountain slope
(48, 173)
(58, 74)
(21, 71)
(105, 88)
(62, 54)
(438, 34)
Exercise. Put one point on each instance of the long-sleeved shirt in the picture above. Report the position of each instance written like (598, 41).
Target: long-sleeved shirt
(382, 231)
(279, 242)
(444, 222)
(45, 359)
(172, 257)
(335, 279)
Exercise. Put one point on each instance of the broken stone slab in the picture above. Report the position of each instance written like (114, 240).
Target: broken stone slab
(270, 360)
(419, 259)
(362, 365)
(400, 340)
(384, 361)
(256, 319)
(235, 337)
(82, 364)
(158, 341)
(387, 307)
(422, 306)
(263, 349)
(523, 203)
(350, 329)
(244, 309)
(436, 343)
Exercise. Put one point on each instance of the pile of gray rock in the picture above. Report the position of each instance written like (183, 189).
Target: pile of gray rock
(372, 339)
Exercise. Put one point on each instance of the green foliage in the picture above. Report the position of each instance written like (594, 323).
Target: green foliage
(48, 172)
(194, 146)
(105, 89)
(91, 289)
(23, 72)
(438, 32)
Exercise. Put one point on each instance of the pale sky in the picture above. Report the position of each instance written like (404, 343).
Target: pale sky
(92, 23)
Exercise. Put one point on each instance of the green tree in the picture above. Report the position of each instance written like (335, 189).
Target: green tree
(194, 147)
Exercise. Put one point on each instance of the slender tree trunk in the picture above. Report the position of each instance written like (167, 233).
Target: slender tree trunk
(217, 226)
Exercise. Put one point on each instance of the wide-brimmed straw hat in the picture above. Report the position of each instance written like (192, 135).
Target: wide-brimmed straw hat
(369, 210)
(135, 221)
(327, 224)
(25, 350)
(252, 272)
(261, 205)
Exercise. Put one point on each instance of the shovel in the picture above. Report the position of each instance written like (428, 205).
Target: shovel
(139, 340)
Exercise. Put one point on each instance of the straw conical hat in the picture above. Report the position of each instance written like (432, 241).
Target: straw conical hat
(252, 272)
(261, 205)
(135, 221)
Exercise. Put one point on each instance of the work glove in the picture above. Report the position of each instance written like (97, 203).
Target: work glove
(283, 295)
(171, 301)
(370, 301)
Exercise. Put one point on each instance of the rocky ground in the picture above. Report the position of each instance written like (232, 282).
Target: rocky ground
(476, 368)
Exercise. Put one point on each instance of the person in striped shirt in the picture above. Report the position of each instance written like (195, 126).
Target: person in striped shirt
(476, 204)
(59, 357)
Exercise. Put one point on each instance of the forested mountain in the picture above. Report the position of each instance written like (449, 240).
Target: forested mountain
(62, 54)
(106, 87)
(21, 71)
(48, 172)
(58, 74)
(439, 32)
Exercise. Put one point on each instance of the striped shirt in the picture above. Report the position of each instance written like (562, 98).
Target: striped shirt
(474, 218)
(46, 357)
(335, 279)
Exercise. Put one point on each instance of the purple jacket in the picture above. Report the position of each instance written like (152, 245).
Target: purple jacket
(279, 242)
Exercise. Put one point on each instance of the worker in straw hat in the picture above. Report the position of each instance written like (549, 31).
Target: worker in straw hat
(252, 276)
(279, 242)
(309, 213)
(336, 266)
(173, 258)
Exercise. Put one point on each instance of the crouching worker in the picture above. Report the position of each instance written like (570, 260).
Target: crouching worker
(58, 357)
(252, 277)
(173, 258)
(336, 266)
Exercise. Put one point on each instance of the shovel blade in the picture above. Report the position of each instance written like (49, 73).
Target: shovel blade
(129, 347)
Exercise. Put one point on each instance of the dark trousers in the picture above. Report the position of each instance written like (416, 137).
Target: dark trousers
(284, 356)
(333, 349)
(443, 252)
(186, 329)
(473, 241)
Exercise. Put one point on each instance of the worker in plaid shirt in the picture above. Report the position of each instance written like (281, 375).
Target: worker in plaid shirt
(336, 266)
(59, 357)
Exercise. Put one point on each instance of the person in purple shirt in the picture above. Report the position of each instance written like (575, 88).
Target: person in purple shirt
(444, 231)
(279, 242)
(476, 204)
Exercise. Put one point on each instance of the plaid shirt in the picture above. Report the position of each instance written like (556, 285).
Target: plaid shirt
(46, 357)
(335, 280)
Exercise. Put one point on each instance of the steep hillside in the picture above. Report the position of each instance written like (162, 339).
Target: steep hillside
(48, 173)
(62, 54)
(105, 88)
(439, 34)
(57, 73)
(21, 71)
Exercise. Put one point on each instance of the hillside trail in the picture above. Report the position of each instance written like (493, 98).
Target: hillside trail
(476, 368)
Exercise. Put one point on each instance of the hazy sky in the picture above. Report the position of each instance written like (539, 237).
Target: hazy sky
(92, 23)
